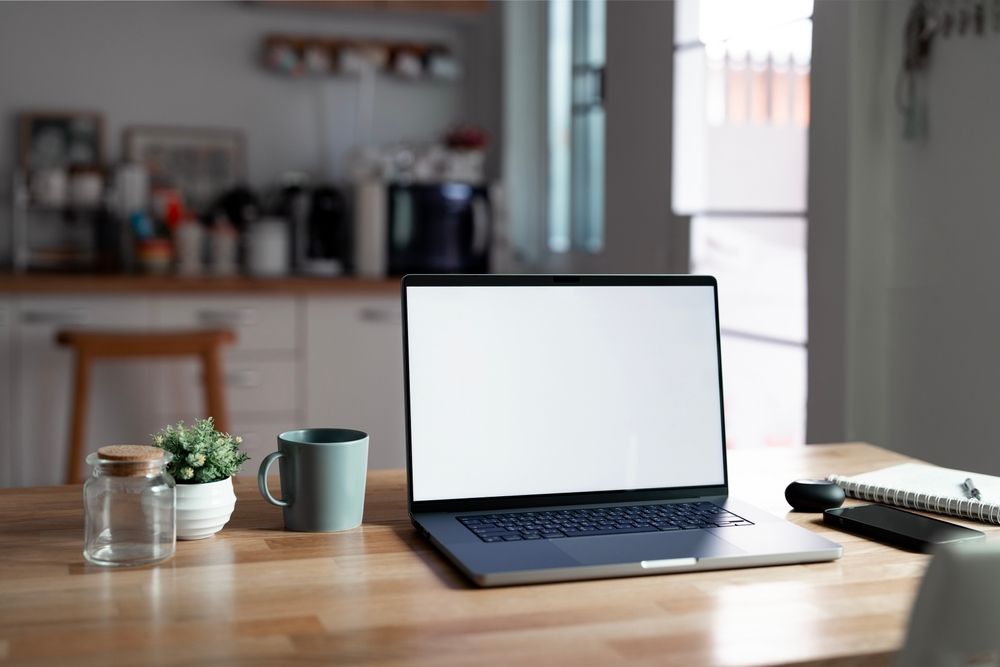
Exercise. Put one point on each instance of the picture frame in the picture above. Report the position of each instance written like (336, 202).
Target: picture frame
(201, 162)
(60, 140)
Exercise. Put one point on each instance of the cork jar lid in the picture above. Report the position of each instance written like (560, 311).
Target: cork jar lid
(130, 453)
(130, 460)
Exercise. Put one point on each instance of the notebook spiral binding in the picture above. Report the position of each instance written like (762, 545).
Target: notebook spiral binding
(966, 508)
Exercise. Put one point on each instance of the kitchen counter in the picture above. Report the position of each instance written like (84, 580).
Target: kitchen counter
(201, 285)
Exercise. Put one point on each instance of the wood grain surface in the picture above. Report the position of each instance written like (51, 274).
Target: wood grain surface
(255, 594)
(201, 286)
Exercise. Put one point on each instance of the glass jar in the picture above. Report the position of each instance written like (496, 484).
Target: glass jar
(130, 506)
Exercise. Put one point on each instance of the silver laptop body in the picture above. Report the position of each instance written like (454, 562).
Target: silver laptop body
(571, 427)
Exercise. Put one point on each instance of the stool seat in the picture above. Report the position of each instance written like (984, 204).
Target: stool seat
(92, 344)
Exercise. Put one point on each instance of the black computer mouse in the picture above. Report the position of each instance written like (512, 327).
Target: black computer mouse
(814, 495)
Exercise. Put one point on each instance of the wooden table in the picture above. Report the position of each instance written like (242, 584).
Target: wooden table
(255, 594)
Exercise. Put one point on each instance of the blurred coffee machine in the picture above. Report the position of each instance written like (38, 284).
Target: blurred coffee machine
(422, 208)
(438, 228)
(422, 228)
(320, 229)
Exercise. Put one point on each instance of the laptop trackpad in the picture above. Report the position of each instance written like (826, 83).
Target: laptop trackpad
(631, 548)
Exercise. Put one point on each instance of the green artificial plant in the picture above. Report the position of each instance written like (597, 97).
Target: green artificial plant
(201, 454)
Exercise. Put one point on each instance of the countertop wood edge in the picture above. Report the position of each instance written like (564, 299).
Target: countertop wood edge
(11, 284)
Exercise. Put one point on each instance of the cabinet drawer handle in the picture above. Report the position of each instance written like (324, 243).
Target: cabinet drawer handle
(382, 315)
(54, 317)
(244, 378)
(237, 317)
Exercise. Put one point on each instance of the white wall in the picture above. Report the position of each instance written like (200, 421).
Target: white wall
(829, 131)
(904, 243)
(174, 63)
(642, 234)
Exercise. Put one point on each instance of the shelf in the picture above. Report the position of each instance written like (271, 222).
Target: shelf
(312, 56)
(426, 7)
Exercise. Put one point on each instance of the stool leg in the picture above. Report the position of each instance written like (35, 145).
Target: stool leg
(78, 425)
(215, 399)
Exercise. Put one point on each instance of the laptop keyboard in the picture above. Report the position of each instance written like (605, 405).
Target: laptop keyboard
(584, 522)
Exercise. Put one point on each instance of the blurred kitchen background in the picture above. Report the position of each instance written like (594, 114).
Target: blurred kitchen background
(273, 166)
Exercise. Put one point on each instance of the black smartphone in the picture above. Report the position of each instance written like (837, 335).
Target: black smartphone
(899, 528)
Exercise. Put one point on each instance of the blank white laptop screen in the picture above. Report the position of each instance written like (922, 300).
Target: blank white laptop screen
(520, 390)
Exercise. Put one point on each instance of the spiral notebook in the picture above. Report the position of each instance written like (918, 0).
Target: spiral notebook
(928, 488)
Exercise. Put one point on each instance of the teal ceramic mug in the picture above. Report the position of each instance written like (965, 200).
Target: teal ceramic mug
(323, 474)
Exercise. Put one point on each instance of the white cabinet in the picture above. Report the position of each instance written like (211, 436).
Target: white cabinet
(43, 376)
(262, 324)
(6, 467)
(299, 361)
(355, 371)
(261, 371)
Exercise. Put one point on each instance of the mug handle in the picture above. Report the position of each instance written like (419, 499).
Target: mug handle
(262, 479)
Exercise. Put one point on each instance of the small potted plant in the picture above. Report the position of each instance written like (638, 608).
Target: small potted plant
(203, 465)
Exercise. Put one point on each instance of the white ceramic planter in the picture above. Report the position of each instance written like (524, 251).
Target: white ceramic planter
(203, 509)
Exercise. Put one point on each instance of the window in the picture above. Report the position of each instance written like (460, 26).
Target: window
(576, 125)
(741, 116)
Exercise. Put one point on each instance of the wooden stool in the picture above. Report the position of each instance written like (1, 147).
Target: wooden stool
(93, 345)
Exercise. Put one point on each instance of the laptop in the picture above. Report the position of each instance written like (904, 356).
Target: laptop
(571, 427)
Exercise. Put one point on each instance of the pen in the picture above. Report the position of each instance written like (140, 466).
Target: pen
(970, 489)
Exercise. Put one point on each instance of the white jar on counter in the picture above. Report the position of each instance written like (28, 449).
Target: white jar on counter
(268, 248)
(189, 239)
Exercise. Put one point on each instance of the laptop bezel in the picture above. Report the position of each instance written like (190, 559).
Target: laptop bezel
(547, 500)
